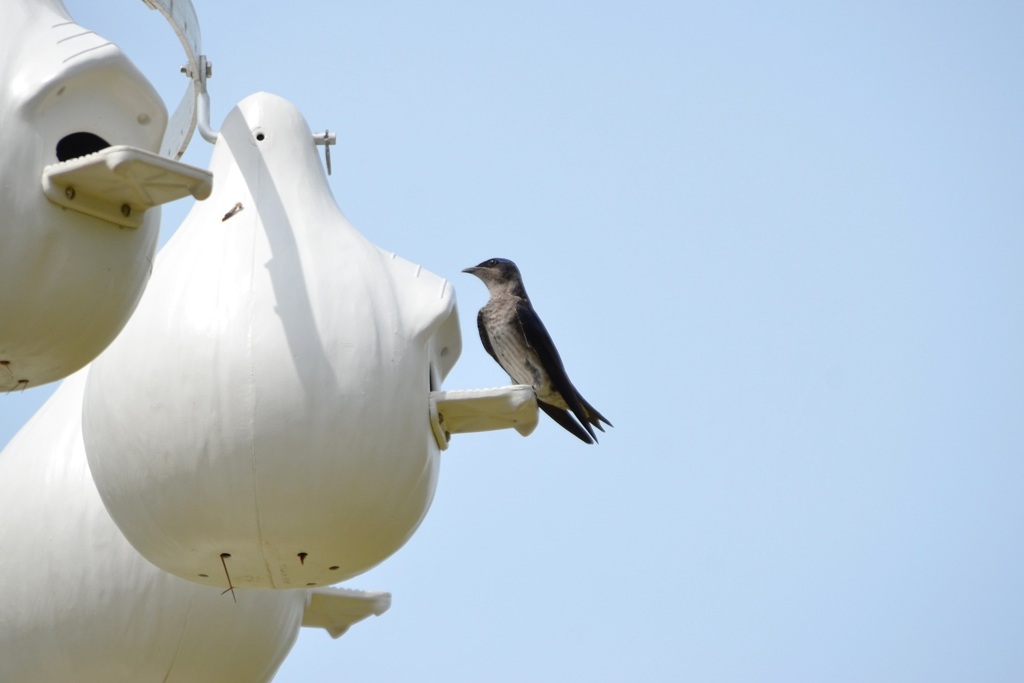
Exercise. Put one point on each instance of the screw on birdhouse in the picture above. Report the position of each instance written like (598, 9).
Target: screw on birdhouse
(69, 192)
(126, 210)
(223, 561)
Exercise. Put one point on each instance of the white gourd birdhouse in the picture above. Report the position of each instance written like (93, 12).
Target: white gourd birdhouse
(79, 128)
(265, 417)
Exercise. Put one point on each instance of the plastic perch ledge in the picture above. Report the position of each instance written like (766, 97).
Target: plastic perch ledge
(336, 609)
(481, 410)
(118, 184)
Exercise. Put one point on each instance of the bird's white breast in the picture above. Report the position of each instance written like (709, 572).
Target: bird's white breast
(517, 358)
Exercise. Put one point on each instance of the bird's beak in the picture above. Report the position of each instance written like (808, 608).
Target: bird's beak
(471, 270)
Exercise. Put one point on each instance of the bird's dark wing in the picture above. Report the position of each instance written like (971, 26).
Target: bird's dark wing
(538, 338)
(484, 337)
(563, 418)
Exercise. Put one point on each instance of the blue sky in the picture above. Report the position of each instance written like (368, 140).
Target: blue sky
(779, 245)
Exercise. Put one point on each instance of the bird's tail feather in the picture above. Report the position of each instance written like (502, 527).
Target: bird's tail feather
(563, 418)
(593, 417)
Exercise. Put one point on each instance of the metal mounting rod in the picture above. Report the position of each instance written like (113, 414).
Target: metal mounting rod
(204, 71)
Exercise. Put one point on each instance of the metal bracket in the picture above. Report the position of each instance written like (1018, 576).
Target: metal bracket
(181, 16)
(326, 138)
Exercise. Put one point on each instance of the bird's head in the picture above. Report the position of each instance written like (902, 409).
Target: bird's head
(499, 274)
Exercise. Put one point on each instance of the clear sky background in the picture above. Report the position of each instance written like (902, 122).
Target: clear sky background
(780, 245)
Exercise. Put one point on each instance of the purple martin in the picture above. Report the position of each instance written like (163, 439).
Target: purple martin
(514, 335)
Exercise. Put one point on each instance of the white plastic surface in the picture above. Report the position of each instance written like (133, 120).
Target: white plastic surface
(270, 398)
(80, 604)
(68, 281)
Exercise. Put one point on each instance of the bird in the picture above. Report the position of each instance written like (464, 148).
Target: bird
(513, 334)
